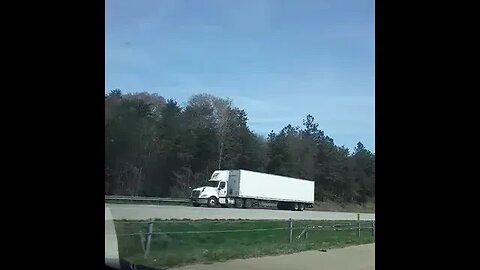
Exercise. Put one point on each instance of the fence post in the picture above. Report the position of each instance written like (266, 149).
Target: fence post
(306, 233)
(142, 241)
(149, 238)
(373, 228)
(358, 222)
(290, 225)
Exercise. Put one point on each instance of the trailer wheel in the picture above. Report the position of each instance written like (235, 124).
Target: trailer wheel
(239, 203)
(301, 207)
(295, 206)
(248, 203)
(212, 201)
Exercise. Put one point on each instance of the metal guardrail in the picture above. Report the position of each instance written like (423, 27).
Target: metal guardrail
(149, 199)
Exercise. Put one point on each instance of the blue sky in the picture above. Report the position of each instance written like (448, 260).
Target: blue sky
(277, 59)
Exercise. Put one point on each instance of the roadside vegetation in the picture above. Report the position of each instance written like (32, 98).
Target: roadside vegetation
(160, 148)
(176, 243)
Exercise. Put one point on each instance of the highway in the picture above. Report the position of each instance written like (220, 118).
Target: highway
(141, 212)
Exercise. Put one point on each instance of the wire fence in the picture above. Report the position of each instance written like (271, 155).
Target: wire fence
(172, 233)
(190, 232)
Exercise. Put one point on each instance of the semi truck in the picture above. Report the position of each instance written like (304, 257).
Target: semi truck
(248, 189)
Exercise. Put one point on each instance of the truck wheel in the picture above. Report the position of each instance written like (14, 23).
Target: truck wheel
(301, 207)
(212, 201)
(248, 203)
(281, 206)
(239, 203)
(295, 206)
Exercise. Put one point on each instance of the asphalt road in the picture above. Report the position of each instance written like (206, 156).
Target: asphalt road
(349, 258)
(138, 211)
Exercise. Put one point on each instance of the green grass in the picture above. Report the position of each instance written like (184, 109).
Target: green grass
(171, 249)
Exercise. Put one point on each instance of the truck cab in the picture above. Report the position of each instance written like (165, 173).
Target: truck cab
(214, 192)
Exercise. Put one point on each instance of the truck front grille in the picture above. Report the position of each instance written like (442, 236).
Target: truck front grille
(195, 193)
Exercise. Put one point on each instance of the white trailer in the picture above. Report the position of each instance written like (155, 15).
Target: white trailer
(246, 189)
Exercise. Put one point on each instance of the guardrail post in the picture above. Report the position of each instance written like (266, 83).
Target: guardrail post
(290, 225)
(358, 222)
(149, 238)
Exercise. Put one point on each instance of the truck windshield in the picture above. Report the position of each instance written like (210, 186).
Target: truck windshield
(212, 183)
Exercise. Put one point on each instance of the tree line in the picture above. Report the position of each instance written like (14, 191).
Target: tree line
(156, 147)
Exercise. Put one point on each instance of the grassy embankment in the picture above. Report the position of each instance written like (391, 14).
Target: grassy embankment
(177, 245)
